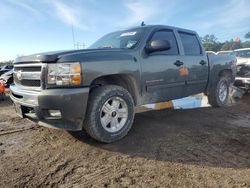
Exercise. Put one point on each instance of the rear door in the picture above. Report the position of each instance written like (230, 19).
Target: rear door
(196, 63)
(160, 72)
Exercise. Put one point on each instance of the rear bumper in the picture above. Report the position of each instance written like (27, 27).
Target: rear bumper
(38, 106)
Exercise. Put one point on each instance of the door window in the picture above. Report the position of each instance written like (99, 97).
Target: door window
(166, 35)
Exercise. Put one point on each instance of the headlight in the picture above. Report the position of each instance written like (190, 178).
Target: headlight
(62, 74)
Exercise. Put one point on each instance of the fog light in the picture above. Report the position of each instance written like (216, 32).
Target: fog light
(55, 113)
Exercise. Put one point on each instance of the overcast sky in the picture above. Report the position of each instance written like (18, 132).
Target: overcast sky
(28, 26)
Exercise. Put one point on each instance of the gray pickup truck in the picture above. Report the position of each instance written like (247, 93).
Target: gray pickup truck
(97, 89)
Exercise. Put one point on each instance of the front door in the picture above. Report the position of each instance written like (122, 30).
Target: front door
(161, 76)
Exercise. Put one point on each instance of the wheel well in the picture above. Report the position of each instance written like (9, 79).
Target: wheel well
(213, 80)
(126, 81)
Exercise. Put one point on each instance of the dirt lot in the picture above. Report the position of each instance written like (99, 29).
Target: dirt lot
(206, 147)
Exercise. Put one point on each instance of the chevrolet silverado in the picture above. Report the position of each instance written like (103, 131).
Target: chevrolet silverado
(97, 89)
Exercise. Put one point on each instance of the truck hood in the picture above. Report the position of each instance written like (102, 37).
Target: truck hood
(56, 55)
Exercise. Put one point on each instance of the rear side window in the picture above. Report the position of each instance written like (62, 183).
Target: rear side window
(166, 35)
(190, 44)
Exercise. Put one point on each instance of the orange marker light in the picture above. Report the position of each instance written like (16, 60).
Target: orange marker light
(76, 77)
(76, 80)
(76, 68)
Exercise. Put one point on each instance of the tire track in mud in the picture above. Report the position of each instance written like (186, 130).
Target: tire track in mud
(58, 174)
(97, 176)
(232, 152)
(67, 173)
(2, 133)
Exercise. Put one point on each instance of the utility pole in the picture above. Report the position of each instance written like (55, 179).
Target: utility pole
(79, 45)
(73, 33)
(76, 45)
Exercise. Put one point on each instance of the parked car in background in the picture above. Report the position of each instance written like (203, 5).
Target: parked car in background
(5, 68)
(7, 78)
(243, 68)
(97, 89)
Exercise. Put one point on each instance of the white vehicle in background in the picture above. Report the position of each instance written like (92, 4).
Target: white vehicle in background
(243, 68)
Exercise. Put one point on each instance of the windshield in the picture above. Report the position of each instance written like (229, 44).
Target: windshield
(127, 39)
(242, 53)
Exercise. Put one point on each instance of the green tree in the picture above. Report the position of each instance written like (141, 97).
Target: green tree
(226, 46)
(247, 35)
(246, 44)
(6, 63)
(210, 43)
(236, 45)
(231, 45)
(209, 39)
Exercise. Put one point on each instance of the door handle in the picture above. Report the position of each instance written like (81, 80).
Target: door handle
(178, 63)
(202, 62)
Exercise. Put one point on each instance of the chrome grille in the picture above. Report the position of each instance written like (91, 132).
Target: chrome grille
(28, 75)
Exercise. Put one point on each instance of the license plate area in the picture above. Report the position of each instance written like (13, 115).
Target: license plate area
(19, 110)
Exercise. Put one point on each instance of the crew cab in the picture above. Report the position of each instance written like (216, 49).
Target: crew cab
(97, 89)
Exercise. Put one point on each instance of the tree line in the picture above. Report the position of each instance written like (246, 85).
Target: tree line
(6, 63)
(211, 43)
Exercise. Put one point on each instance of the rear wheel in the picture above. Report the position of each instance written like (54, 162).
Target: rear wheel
(219, 95)
(110, 113)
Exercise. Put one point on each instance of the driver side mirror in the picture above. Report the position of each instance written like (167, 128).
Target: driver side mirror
(157, 45)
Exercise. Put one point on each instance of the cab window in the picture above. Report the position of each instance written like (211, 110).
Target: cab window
(166, 35)
(190, 44)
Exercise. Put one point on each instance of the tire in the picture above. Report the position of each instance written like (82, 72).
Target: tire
(110, 113)
(216, 97)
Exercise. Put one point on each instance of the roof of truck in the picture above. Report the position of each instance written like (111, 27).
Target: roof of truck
(164, 26)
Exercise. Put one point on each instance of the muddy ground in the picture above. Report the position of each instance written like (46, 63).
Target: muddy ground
(207, 147)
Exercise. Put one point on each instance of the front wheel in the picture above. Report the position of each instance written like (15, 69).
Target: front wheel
(219, 95)
(110, 113)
